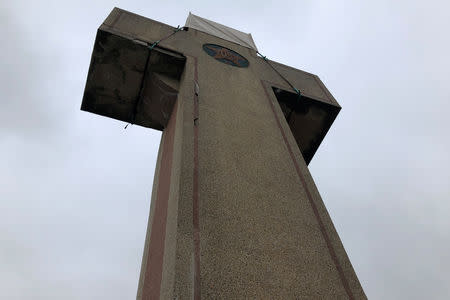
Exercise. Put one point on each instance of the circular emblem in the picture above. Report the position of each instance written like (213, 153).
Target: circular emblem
(226, 55)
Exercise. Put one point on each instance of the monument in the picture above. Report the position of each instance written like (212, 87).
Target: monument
(234, 212)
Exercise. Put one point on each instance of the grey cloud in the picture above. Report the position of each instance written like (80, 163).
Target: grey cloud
(75, 188)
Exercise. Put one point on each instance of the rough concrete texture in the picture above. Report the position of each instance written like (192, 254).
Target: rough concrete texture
(243, 216)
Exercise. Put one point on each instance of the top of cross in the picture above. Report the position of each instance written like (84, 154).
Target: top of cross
(137, 64)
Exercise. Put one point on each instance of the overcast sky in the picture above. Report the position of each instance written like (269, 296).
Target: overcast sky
(75, 187)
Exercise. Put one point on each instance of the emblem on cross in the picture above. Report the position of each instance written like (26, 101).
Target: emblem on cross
(226, 55)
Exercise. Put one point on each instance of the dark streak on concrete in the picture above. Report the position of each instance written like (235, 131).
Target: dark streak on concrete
(195, 204)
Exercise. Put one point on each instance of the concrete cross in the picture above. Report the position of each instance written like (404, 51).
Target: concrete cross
(235, 212)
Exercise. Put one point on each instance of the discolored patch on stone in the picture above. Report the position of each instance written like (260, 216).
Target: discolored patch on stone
(129, 82)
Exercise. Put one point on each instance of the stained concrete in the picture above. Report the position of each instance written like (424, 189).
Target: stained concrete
(244, 217)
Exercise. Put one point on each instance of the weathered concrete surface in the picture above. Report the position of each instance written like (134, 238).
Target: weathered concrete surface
(241, 215)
